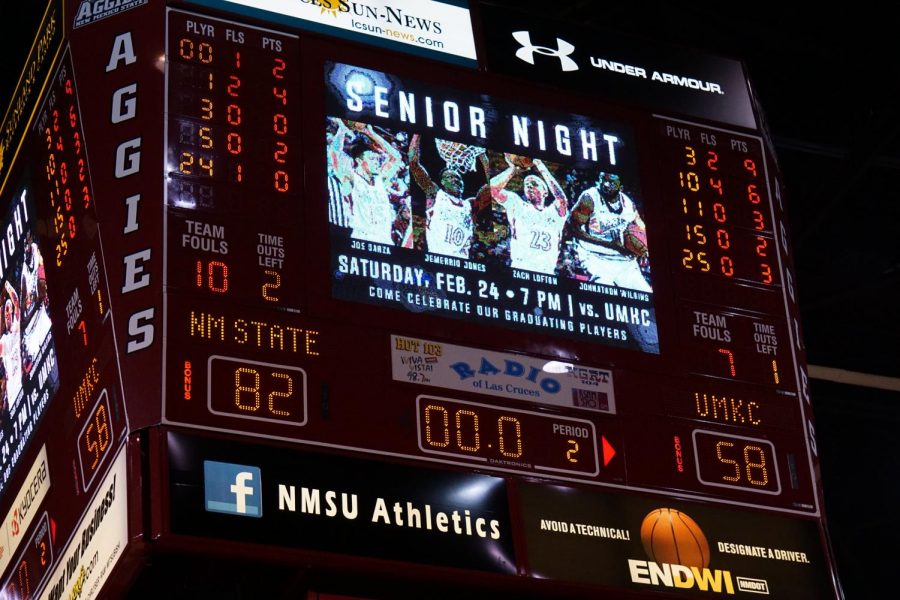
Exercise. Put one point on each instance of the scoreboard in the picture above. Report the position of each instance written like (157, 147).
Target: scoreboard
(62, 416)
(389, 294)
(255, 324)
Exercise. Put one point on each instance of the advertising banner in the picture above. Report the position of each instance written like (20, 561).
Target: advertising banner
(295, 499)
(617, 66)
(98, 541)
(439, 29)
(24, 508)
(501, 374)
(664, 545)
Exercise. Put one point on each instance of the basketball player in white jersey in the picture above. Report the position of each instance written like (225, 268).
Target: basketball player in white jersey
(33, 280)
(338, 206)
(536, 228)
(598, 222)
(367, 172)
(449, 221)
(35, 321)
(11, 347)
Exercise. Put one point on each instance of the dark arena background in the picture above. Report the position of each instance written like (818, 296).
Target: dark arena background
(387, 299)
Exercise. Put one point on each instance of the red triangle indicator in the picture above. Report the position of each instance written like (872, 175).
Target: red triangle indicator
(608, 450)
(52, 530)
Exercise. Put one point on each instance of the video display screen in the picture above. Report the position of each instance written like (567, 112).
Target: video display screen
(29, 375)
(476, 208)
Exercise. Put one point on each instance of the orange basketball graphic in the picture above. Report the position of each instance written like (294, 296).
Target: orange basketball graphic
(670, 536)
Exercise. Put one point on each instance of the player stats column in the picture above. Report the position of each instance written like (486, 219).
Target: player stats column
(730, 423)
(729, 293)
(233, 161)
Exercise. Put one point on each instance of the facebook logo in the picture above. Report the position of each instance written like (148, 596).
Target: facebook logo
(232, 489)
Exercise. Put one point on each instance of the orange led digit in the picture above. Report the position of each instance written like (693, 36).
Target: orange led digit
(430, 439)
(730, 356)
(467, 426)
(502, 437)
(750, 166)
(241, 389)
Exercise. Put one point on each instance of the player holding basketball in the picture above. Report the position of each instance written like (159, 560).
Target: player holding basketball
(536, 228)
(599, 223)
(368, 172)
(449, 225)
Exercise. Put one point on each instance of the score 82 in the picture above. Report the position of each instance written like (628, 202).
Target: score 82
(256, 390)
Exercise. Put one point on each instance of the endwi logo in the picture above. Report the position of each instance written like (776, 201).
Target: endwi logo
(528, 50)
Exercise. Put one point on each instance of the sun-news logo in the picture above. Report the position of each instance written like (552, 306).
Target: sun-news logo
(232, 489)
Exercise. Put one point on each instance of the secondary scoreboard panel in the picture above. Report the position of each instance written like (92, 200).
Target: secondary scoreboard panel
(62, 419)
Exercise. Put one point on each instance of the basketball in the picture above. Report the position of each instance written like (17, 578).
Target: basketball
(635, 240)
(459, 157)
(523, 162)
(670, 536)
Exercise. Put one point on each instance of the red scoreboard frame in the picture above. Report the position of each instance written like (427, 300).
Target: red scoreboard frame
(383, 265)
(707, 312)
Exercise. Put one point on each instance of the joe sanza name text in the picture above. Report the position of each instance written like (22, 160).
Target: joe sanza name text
(474, 121)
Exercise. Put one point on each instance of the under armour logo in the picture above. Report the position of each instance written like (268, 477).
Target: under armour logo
(562, 51)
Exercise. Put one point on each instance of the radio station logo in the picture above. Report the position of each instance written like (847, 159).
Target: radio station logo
(679, 555)
(232, 489)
